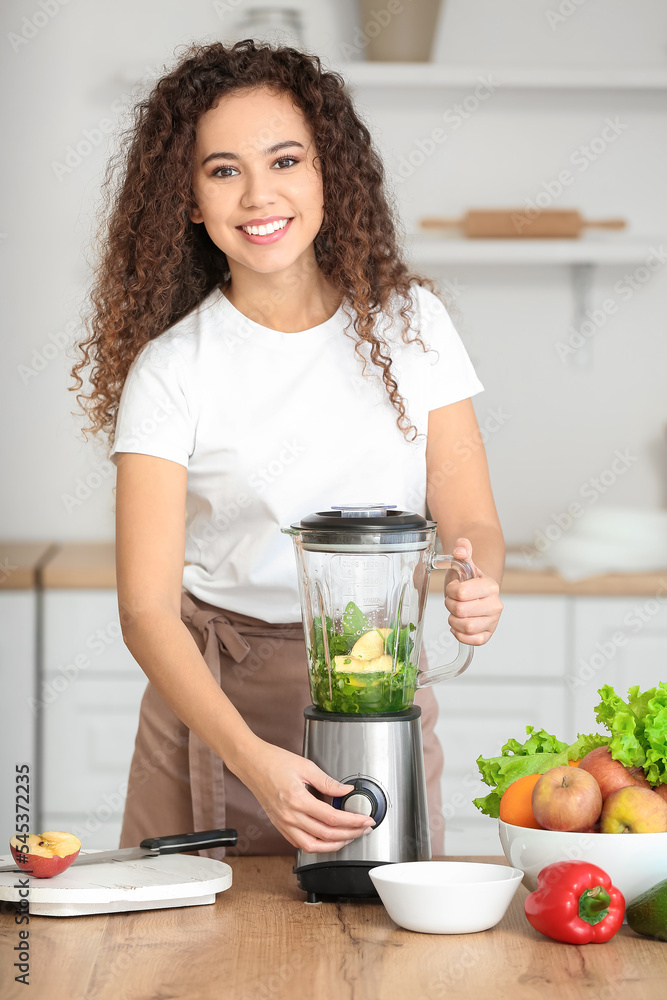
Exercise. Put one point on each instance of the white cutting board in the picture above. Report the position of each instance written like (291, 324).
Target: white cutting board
(121, 886)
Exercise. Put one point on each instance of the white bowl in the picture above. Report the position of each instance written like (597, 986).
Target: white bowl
(633, 861)
(446, 897)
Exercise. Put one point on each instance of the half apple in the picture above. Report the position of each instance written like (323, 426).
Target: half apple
(44, 855)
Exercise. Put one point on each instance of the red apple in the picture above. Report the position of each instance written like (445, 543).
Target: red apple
(47, 854)
(610, 774)
(634, 810)
(567, 798)
(661, 790)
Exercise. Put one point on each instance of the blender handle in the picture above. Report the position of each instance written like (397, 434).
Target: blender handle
(436, 674)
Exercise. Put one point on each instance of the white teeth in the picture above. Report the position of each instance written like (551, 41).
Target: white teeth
(267, 230)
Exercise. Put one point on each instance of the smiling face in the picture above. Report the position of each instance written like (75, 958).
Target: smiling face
(256, 165)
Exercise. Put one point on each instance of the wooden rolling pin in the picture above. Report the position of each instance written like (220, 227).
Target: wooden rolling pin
(512, 223)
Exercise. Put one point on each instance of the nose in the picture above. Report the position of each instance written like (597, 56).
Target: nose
(259, 188)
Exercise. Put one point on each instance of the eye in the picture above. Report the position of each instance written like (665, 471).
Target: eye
(216, 172)
(287, 159)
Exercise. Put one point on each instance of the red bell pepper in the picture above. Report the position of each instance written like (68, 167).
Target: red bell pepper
(575, 902)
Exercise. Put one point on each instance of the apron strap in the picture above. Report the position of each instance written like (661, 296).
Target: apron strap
(207, 783)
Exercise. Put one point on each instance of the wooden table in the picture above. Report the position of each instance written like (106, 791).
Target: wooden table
(262, 941)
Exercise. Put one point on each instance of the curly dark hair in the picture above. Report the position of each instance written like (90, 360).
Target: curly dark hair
(155, 265)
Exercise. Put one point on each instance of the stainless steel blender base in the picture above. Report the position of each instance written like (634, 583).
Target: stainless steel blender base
(382, 756)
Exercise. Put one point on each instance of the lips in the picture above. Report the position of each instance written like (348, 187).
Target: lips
(272, 237)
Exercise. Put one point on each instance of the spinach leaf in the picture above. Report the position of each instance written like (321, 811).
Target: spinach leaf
(405, 642)
(355, 622)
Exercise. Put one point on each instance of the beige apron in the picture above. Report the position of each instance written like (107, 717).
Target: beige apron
(177, 784)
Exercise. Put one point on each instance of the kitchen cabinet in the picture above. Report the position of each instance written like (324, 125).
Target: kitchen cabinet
(543, 667)
(617, 641)
(19, 647)
(515, 680)
(92, 690)
(17, 655)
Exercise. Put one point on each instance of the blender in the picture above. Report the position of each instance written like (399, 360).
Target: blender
(363, 572)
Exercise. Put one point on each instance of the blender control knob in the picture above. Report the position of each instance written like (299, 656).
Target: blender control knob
(357, 802)
(367, 799)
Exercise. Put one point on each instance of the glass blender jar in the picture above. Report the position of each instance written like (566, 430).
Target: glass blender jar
(363, 575)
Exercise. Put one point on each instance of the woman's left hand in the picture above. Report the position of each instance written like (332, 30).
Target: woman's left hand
(474, 604)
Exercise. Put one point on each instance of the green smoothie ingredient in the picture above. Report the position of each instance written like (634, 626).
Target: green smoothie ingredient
(637, 738)
(647, 913)
(371, 668)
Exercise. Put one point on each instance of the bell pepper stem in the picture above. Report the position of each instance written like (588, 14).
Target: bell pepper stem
(594, 904)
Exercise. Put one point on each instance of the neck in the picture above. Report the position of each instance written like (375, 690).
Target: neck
(294, 299)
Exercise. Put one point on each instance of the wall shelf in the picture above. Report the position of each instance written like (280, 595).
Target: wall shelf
(433, 75)
(430, 250)
(581, 256)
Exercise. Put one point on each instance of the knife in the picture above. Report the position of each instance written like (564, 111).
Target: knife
(151, 848)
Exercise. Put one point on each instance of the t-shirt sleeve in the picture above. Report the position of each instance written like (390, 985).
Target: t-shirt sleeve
(155, 411)
(446, 376)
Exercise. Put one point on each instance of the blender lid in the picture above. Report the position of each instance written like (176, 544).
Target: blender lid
(363, 517)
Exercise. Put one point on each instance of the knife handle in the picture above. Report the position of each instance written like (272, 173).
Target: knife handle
(190, 841)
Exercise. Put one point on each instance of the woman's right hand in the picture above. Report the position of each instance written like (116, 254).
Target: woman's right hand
(278, 778)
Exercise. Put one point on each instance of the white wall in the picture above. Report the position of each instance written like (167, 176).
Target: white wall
(564, 423)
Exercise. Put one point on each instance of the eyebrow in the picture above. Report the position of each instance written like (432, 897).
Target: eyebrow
(267, 152)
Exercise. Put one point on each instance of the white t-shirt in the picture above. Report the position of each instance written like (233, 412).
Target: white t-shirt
(272, 426)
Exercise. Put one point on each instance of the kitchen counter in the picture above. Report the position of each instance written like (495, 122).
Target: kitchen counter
(81, 565)
(261, 940)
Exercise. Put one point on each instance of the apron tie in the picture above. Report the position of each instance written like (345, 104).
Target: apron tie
(207, 769)
(216, 628)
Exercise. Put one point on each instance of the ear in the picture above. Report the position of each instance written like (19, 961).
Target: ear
(195, 214)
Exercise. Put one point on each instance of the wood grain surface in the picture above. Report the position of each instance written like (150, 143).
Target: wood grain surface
(261, 940)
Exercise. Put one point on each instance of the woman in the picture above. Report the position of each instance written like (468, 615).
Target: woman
(256, 354)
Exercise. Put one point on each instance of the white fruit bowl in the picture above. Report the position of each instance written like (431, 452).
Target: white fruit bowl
(446, 897)
(633, 861)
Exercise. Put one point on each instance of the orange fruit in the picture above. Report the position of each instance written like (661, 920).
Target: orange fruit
(516, 802)
(574, 763)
